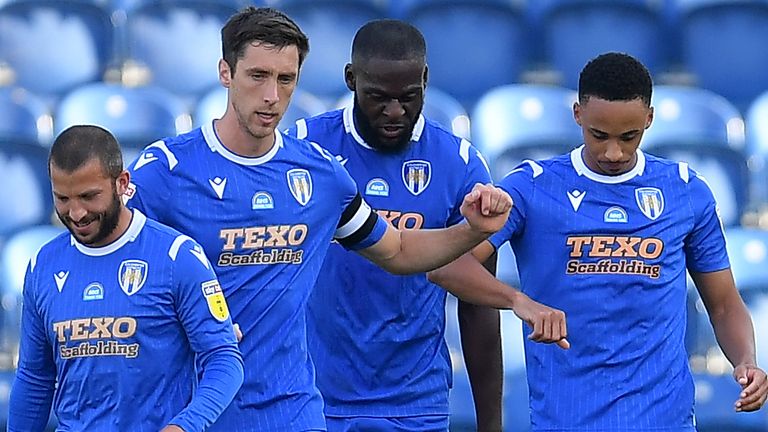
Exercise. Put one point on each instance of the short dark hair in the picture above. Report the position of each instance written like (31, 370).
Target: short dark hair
(265, 25)
(79, 144)
(388, 39)
(615, 77)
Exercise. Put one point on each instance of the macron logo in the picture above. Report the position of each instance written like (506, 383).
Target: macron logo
(144, 159)
(197, 251)
(342, 160)
(576, 196)
(60, 278)
(218, 184)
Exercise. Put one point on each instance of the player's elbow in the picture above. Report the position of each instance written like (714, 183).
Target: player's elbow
(438, 276)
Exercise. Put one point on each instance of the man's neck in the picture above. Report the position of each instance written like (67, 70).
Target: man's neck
(237, 140)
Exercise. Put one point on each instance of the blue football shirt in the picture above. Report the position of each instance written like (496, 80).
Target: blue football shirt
(377, 338)
(119, 328)
(266, 224)
(612, 253)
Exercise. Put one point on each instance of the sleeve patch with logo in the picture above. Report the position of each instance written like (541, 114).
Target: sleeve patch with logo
(215, 298)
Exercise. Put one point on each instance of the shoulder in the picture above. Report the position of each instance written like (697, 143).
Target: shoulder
(173, 242)
(167, 153)
(454, 149)
(318, 126)
(50, 251)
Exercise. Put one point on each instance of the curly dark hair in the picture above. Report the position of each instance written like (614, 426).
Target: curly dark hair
(615, 77)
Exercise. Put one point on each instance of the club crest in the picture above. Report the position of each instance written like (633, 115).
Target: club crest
(300, 184)
(650, 201)
(416, 175)
(132, 275)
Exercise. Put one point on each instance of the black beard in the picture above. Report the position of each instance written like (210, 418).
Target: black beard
(368, 133)
(109, 221)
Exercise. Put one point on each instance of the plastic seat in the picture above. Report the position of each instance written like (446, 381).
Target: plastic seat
(213, 104)
(723, 45)
(26, 192)
(24, 116)
(53, 46)
(524, 121)
(137, 116)
(472, 46)
(574, 32)
(179, 42)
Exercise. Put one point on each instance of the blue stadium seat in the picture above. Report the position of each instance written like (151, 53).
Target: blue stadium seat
(472, 46)
(53, 46)
(723, 45)
(756, 120)
(26, 192)
(137, 116)
(693, 116)
(331, 25)
(575, 31)
(213, 104)
(439, 106)
(23, 116)
(523, 121)
(704, 129)
(716, 391)
(179, 42)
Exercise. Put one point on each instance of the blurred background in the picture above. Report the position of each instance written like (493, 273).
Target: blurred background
(503, 73)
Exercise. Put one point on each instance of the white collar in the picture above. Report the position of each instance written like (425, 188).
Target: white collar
(209, 133)
(583, 170)
(137, 223)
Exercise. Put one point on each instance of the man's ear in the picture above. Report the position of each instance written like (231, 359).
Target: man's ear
(349, 77)
(225, 73)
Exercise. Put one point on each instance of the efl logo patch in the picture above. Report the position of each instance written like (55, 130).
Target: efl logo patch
(94, 291)
(651, 201)
(416, 175)
(132, 275)
(215, 298)
(377, 187)
(300, 184)
(615, 215)
(262, 201)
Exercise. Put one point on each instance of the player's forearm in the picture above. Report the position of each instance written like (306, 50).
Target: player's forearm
(735, 334)
(425, 250)
(222, 378)
(468, 280)
(481, 346)
(30, 402)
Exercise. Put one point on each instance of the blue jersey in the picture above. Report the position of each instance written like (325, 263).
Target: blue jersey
(119, 327)
(612, 253)
(266, 224)
(377, 338)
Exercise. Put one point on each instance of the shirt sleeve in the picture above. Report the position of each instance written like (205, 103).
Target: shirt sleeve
(204, 314)
(519, 185)
(476, 172)
(151, 180)
(33, 386)
(705, 249)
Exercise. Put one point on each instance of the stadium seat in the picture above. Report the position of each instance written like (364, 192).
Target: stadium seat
(723, 46)
(704, 129)
(716, 390)
(575, 31)
(472, 46)
(213, 104)
(53, 46)
(137, 116)
(26, 192)
(23, 116)
(693, 116)
(330, 25)
(438, 106)
(524, 121)
(179, 42)
(756, 121)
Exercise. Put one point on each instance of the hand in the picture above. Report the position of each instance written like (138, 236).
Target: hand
(548, 324)
(238, 332)
(754, 387)
(486, 208)
(172, 428)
